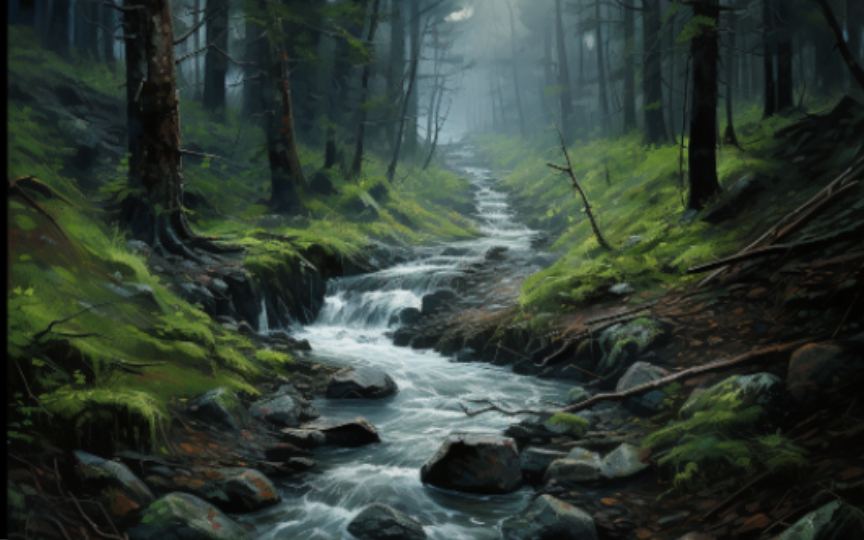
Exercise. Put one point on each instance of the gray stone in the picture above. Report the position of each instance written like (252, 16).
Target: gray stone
(361, 383)
(355, 432)
(221, 408)
(623, 343)
(231, 489)
(579, 465)
(535, 461)
(833, 521)
(382, 522)
(546, 518)
(622, 289)
(284, 410)
(304, 438)
(474, 463)
(636, 375)
(577, 394)
(181, 516)
(622, 462)
(112, 483)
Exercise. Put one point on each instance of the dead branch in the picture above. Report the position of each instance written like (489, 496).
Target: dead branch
(578, 187)
(740, 257)
(647, 387)
(41, 334)
(14, 187)
(847, 180)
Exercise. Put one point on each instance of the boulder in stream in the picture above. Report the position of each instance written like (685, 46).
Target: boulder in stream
(349, 433)
(284, 410)
(362, 382)
(474, 463)
(382, 522)
(181, 516)
(437, 300)
(548, 517)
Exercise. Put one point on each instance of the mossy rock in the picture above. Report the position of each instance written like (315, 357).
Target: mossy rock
(736, 394)
(220, 407)
(567, 424)
(622, 344)
(119, 490)
(833, 521)
(180, 516)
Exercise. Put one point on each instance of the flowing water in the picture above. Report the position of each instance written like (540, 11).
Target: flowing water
(350, 330)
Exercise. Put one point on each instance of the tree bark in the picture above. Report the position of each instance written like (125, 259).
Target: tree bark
(851, 61)
(768, 58)
(514, 63)
(655, 128)
(357, 165)
(603, 91)
(396, 65)
(702, 158)
(412, 77)
(254, 75)
(785, 99)
(566, 95)
(215, 64)
(415, 43)
(729, 136)
(629, 70)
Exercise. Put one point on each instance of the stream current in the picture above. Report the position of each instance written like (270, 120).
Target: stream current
(350, 330)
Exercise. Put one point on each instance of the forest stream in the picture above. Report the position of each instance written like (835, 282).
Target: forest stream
(352, 330)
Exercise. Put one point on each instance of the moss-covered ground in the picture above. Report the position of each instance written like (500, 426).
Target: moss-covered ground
(99, 348)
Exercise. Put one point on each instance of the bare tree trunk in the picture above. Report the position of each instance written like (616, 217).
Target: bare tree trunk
(655, 129)
(629, 70)
(436, 62)
(768, 58)
(412, 77)
(672, 57)
(396, 66)
(514, 63)
(702, 157)
(566, 95)
(415, 43)
(785, 99)
(601, 71)
(357, 164)
(215, 63)
(253, 74)
(729, 136)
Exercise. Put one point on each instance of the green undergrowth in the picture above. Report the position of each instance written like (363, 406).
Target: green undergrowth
(636, 193)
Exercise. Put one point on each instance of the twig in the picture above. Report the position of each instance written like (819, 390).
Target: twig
(41, 334)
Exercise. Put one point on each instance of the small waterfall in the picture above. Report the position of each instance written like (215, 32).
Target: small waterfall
(263, 321)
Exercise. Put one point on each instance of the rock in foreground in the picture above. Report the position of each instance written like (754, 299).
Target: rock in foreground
(474, 463)
(548, 517)
(113, 483)
(180, 516)
(382, 522)
(361, 383)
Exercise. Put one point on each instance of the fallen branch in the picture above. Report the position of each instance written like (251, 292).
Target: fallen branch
(14, 187)
(43, 333)
(647, 387)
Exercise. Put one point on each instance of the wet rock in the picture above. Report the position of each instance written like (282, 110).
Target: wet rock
(455, 252)
(466, 355)
(382, 522)
(181, 516)
(284, 410)
(623, 343)
(571, 425)
(137, 247)
(112, 483)
(231, 489)
(221, 408)
(834, 521)
(496, 253)
(198, 294)
(403, 337)
(580, 465)
(281, 452)
(350, 433)
(437, 300)
(408, 316)
(817, 370)
(303, 438)
(622, 289)
(218, 286)
(535, 461)
(636, 375)
(738, 393)
(474, 463)
(622, 462)
(548, 517)
(577, 394)
(363, 382)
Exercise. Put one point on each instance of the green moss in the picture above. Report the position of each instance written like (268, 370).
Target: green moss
(576, 426)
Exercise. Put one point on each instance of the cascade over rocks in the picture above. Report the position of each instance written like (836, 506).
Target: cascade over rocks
(382, 522)
(119, 490)
(474, 463)
(181, 516)
(363, 382)
(548, 517)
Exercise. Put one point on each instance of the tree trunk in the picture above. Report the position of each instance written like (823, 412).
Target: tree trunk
(672, 57)
(155, 167)
(58, 33)
(253, 74)
(412, 77)
(851, 61)
(768, 58)
(785, 99)
(357, 165)
(215, 63)
(629, 70)
(655, 128)
(566, 95)
(514, 63)
(702, 156)
(286, 174)
(603, 91)
(396, 65)
(436, 66)
(415, 43)
(729, 136)
(107, 20)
